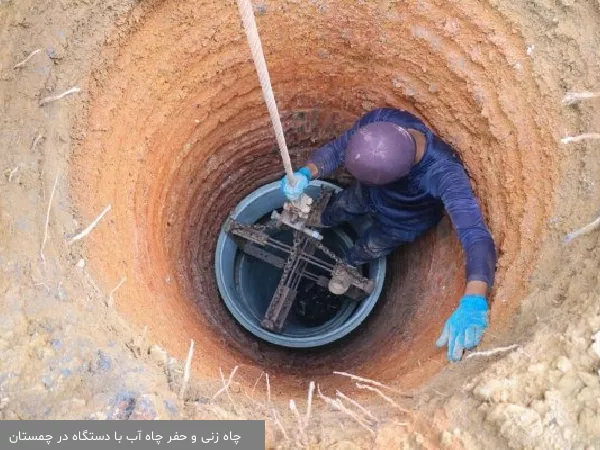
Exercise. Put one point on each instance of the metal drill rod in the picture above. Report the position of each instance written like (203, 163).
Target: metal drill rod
(311, 258)
(276, 261)
(287, 290)
(282, 246)
(259, 236)
(255, 233)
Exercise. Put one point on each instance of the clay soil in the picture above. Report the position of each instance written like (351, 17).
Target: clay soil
(169, 129)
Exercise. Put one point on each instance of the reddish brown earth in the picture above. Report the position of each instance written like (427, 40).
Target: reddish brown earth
(178, 134)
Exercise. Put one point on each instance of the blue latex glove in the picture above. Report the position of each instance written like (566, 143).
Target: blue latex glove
(302, 177)
(464, 328)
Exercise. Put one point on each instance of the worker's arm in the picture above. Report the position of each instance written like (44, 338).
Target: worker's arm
(466, 325)
(450, 183)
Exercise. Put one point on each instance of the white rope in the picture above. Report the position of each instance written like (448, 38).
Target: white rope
(247, 14)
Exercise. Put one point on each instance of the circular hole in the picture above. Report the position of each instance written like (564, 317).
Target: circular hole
(247, 284)
(188, 136)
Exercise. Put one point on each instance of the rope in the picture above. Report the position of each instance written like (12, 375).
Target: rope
(247, 14)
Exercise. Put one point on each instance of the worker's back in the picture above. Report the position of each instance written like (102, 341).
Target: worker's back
(412, 204)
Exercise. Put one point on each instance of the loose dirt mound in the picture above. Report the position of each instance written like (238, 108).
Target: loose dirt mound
(170, 130)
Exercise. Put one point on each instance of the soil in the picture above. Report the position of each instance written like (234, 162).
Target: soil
(170, 130)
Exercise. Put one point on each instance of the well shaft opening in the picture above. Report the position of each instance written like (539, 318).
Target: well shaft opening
(189, 138)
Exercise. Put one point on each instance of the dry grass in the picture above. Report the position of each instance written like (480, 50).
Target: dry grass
(186, 370)
(43, 258)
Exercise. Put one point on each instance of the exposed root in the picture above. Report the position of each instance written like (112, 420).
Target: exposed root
(303, 422)
(574, 97)
(302, 437)
(91, 226)
(54, 98)
(311, 390)
(357, 405)
(268, 387)
(382, 395)
(337, 404)
(186, 370)
(26, 60)
(493, 351)
(277, 421)
(581, 137)
(584, 230)
(43, 258)
(369, 381)
(274, 413)
(110, 301)
(226, 384)
(256, 382)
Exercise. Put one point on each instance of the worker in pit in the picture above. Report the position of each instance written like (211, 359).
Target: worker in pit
(405, 177)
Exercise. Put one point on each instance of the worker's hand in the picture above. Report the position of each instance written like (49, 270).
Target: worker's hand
(302, 178)
(464, 328)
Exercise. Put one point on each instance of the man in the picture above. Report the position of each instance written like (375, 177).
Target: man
(405, 178)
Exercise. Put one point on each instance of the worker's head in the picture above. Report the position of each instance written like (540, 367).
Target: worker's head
(380, 153)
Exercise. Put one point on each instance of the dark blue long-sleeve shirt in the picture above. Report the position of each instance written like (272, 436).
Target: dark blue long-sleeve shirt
(416, 202)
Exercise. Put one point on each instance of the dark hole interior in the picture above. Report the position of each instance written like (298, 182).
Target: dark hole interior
(314, 306)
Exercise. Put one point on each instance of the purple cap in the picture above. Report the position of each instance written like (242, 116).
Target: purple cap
(380, 153)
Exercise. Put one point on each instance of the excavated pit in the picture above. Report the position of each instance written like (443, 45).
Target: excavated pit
(178, 134)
